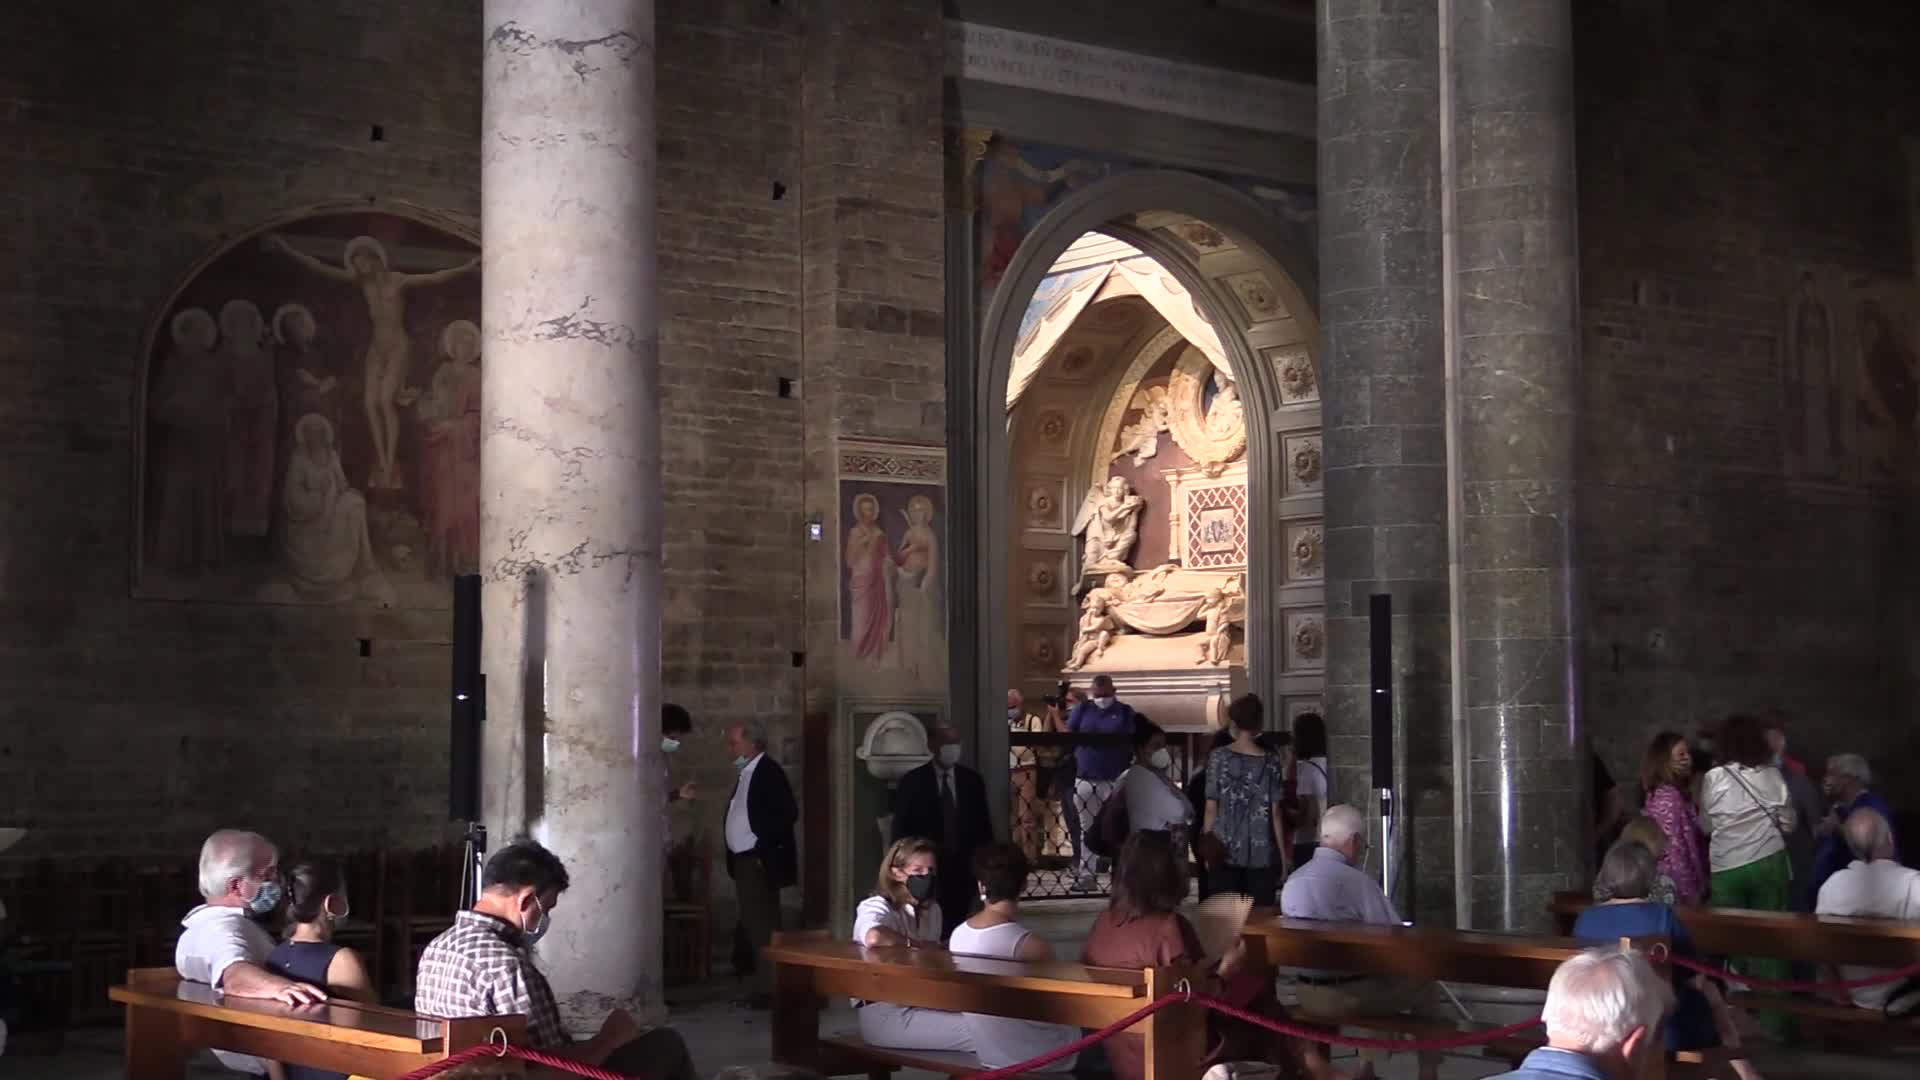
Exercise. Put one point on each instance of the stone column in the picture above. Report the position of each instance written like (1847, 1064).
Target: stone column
(1515, 293)
(1384, 412)
(570, 478)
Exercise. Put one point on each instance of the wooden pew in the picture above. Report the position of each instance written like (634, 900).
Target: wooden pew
(811, 967)
(1418, 952)
(169, 1018)
(1806, 939)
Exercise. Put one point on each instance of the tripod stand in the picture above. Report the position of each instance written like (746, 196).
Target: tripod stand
(473, 858)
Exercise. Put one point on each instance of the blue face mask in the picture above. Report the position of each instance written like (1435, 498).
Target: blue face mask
(266, 899)
(741, 762)
(668, 744)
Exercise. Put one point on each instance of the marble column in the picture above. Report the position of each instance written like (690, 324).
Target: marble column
(1384, 414)
(1514, 271)
(570, 479)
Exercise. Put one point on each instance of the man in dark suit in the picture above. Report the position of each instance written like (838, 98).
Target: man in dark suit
(761, 857)
(946, 802)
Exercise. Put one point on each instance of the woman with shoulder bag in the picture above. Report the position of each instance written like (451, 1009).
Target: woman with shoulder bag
(1244, 807)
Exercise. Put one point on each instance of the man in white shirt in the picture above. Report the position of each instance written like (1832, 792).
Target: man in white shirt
(1874, 886)
(221, 944)
(761, 855)
(1332, 887)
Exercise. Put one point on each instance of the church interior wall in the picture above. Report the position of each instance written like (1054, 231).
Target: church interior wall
(1747, 492)
(151, 135)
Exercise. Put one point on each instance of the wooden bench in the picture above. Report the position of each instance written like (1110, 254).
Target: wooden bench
(810, 968)
(1416, 952)
(1805, 939)
(169, 1018)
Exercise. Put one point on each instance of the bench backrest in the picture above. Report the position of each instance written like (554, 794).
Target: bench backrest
(1783, 934)
(330, 1033)
(1057, 992)
(1468, 956)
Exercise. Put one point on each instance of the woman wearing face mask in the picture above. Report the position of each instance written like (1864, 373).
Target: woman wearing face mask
(902, 913)
(1153, 800)
(316, 903)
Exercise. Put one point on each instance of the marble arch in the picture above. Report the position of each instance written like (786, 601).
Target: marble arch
(1245, 277)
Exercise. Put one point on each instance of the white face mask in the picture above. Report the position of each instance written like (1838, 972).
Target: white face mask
(950, 754)
(668, 744)
(1161, 758)
(1103, 702)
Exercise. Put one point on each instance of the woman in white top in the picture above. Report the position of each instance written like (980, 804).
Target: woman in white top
(902, 913)
(995, 931)
(1154, 801)
(1746, 813)
(1312, 783)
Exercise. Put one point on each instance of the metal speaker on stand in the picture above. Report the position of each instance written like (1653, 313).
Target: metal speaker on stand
(469, 710)
(1380, 699)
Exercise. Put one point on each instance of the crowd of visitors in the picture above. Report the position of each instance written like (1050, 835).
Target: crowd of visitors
(1727, 818)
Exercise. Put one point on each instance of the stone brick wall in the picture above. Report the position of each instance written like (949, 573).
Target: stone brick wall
(1725, 151)
(141, 135)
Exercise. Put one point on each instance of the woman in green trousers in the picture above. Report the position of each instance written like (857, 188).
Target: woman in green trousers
(1747, 814)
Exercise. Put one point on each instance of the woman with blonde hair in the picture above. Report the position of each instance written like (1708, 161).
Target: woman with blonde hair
(903, 912)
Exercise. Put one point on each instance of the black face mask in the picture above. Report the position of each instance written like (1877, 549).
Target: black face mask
(920, 886)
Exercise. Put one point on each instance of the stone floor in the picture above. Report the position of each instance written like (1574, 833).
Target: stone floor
(722, 1033)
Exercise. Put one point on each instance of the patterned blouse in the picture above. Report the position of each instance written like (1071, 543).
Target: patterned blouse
(1683, 861)
(1246, 786)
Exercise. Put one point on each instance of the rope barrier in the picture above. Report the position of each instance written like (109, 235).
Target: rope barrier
(498, 1051)
(1225, 1008)
(1795, 985)
(1303, 1032)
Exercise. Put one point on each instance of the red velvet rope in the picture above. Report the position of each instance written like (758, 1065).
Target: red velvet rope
(1793, 985)
(1311, 1034)
(1296, 1031)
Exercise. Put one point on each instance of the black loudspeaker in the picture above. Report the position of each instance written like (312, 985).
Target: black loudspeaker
(469, 703)
(1380, 665)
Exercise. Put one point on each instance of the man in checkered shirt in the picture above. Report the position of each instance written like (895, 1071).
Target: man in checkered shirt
(483, 966)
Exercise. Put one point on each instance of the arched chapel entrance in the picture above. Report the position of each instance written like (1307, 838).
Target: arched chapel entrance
(1146, 458)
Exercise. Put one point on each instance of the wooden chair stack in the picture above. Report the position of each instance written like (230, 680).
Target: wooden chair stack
(687, 954)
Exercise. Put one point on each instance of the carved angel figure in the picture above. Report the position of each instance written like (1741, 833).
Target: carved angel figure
(1142, 437)
(1096, 632)
(1110, 519)
(1218, 636)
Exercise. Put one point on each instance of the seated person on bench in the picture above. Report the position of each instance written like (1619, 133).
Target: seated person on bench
(903, 912)
(995, 931)
(316, 900)
(1627, 874)
(222, 943)
(1141, 929)
(1331, 886)
(481, 966)
(1874, 886)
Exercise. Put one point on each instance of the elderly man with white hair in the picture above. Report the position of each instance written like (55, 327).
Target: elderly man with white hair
(1874, 886)
(1603, 1015)
(1847, 785)
(221, 943)
(1331, 886)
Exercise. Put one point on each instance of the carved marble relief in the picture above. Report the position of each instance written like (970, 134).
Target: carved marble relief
(327, 452)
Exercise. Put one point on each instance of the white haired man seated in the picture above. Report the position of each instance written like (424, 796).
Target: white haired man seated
(1332, 887)
(222, 945)
(1873, 886)
(1605, 1012)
